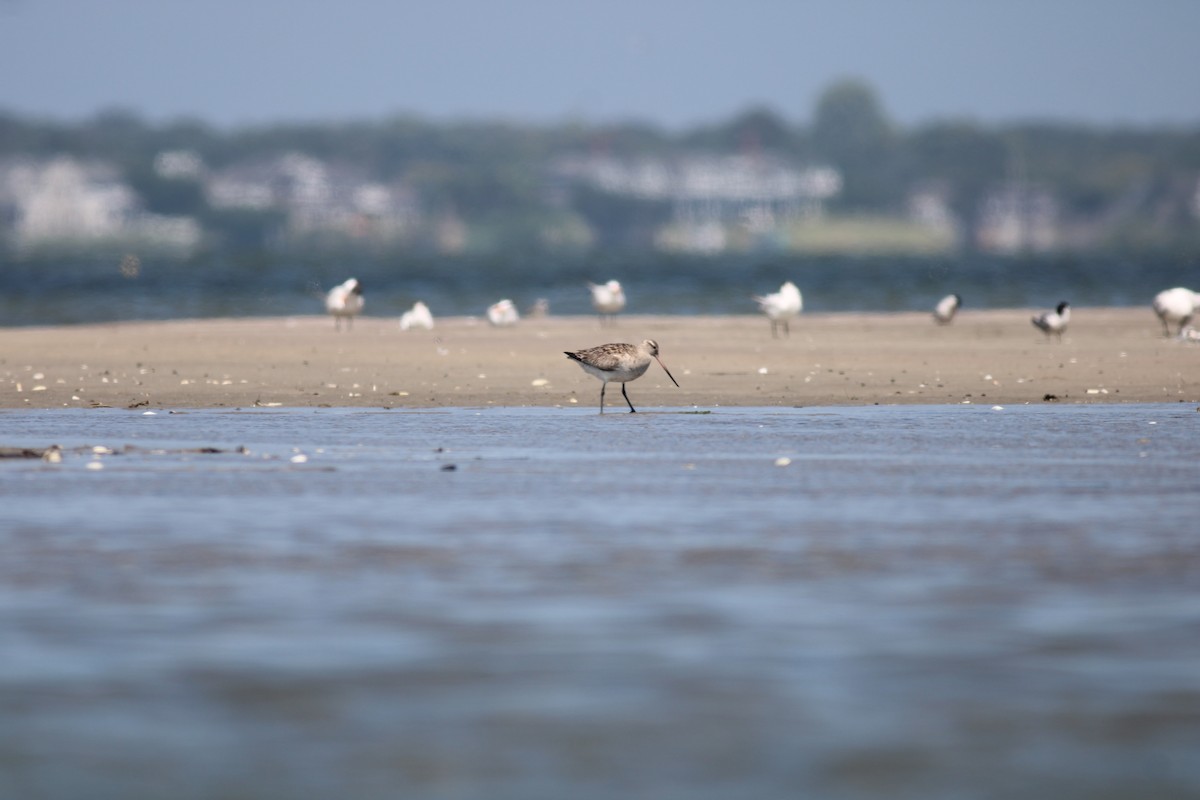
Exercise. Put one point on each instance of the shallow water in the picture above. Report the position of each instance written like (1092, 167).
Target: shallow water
(932, 602)
(75, 290)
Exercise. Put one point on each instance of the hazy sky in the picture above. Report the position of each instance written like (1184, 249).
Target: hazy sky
(671, 62)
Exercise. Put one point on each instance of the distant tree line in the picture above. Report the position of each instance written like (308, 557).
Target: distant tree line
(1141, 184)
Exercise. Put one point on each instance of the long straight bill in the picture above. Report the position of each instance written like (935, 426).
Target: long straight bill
(664, 366)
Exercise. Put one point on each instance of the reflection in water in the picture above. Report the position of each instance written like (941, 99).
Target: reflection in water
(925, 602)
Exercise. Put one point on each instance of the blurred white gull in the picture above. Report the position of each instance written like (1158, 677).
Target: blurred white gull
(344, 302)
(540, 308)
(418, 316)
(503, 314)
(1053, 321)
(1176, 305)
(608, 299)
(781, 306)
(946, 308)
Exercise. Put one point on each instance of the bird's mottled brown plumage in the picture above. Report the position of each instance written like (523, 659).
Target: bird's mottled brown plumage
(607, 357)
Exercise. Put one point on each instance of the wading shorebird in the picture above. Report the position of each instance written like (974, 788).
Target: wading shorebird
(344, 302)
(781, 306)
(419, 316)
(608, 299)
(540, 308)
(1176, 305)
(503, 314)
(619, 363)
(1054, 321)
(946, 308)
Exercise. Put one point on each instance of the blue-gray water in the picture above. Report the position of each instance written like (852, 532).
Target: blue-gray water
(926, 602)
(77, 290)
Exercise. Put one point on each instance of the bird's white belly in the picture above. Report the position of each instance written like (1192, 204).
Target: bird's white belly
(619, 375)
(1173, 307)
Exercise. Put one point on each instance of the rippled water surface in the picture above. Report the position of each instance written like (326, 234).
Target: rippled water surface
(924, 602)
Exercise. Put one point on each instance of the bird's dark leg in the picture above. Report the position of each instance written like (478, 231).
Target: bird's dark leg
(603, 386)
(632, 410)
(786, 330)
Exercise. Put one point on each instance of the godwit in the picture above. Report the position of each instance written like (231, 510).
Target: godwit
(1054, 321)
(344, 301)
(503, 314)
(946, 308)
(1176, 305)
(608, 299)
(619, 363)
(418, 316)
(781, 306)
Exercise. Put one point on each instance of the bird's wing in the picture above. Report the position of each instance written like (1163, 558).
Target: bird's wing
(772, 300)
(601, 357)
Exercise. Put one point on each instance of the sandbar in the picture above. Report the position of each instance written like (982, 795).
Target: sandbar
(1109, 355)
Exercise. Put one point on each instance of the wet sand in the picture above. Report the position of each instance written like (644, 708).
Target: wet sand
(995, 357)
